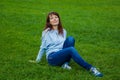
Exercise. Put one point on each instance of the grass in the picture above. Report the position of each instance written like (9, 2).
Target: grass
(93, 23)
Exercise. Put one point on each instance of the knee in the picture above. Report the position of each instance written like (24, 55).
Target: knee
(71, 39)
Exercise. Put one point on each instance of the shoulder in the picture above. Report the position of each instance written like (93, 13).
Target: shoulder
(64, 31)
(45, 32)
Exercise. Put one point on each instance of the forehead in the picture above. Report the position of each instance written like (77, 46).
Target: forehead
(52, 15)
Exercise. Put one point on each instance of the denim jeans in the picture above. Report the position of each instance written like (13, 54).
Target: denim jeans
(68, 52)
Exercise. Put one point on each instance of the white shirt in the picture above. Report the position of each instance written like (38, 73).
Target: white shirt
(52, 41)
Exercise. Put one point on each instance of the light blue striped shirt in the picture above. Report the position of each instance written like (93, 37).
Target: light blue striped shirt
(51, 42)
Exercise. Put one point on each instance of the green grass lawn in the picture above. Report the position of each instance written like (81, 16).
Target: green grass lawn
(95, 24)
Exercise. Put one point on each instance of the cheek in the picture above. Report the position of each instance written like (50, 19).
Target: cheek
(51, 21)
(58, 20)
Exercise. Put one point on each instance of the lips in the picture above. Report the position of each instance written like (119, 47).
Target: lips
(55, 22)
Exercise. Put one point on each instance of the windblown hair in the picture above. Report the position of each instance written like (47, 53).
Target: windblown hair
(48, 25)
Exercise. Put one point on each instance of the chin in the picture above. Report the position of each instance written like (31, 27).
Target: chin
(55, 24)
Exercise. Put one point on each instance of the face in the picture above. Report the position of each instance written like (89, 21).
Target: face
(54, 20)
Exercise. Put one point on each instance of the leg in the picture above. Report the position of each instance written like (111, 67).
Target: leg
(60, 57)
(69, 42)
(68, 52)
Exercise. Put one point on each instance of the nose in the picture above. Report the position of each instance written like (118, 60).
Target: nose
(55, 19)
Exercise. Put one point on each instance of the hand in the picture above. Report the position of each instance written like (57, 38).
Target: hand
(32, 61)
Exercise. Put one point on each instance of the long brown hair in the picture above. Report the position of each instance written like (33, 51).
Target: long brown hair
(48, 25)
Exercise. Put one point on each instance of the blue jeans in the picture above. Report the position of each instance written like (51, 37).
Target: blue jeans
(68, 52)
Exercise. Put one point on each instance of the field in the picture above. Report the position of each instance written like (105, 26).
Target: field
(95, 24)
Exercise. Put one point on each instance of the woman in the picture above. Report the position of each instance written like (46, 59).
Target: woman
(59, 49)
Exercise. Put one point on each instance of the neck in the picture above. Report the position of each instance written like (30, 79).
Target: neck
(55, 27)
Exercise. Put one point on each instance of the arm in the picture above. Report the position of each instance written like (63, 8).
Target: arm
(42, 48)
(40, 54)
